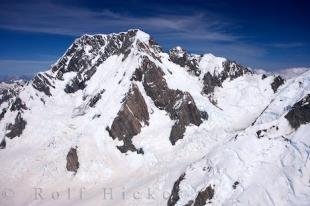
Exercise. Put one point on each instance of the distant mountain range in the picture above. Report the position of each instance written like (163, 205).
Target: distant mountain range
(10, 78)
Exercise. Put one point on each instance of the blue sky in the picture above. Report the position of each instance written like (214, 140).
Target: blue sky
(261, 34)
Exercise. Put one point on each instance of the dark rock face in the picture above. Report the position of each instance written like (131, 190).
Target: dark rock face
(300, 113)
(17, 128)
(203, 196)
(93, 101)
(14, 103)
(261, 133)
(264, 76)
(127, 124)
(234, 186)
(79, 82)
(231, 71)
(72, 161)
(181, 57)
(180, 105)
(96, 116)
(210, 82)
(186, 112)
(151, 48)
(3, 144)
(190, 203)
(174, 197)
(137, 75)
(75, 59)
(42, 84)
(201, 199)
(204, 115)
(156, 86)
(277, 82)
(18, 105)
(6, 95)
(2, 113)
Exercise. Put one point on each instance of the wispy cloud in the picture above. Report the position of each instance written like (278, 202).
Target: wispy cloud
(54, 18)
(287, 45)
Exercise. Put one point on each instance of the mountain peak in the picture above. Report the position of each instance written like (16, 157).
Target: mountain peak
(90, 51)
(134, 34)
(178, 51)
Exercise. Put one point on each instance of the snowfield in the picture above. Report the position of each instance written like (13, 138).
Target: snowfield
(245, 153)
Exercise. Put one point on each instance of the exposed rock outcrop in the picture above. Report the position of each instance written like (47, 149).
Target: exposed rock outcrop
(72, 160)
(231, 71)
(79, 82)
(43, 83)
(180, 105)
(18, 105)
(17, 128)
(7, 94)
(3, 144)
(130, 119)
(300, 113)
(137, 75)
(261, 133)
(174, 197)
(203, 196)
(204, 115)
(185, 113)
(93, 101)
(277, 82)
(2, 113)
(181, 57)
(200, 200)
(234, 186)
(75, 59)
(210, 82)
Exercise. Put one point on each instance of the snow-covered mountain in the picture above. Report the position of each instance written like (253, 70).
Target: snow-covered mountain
(117, 121)
(13, 78)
